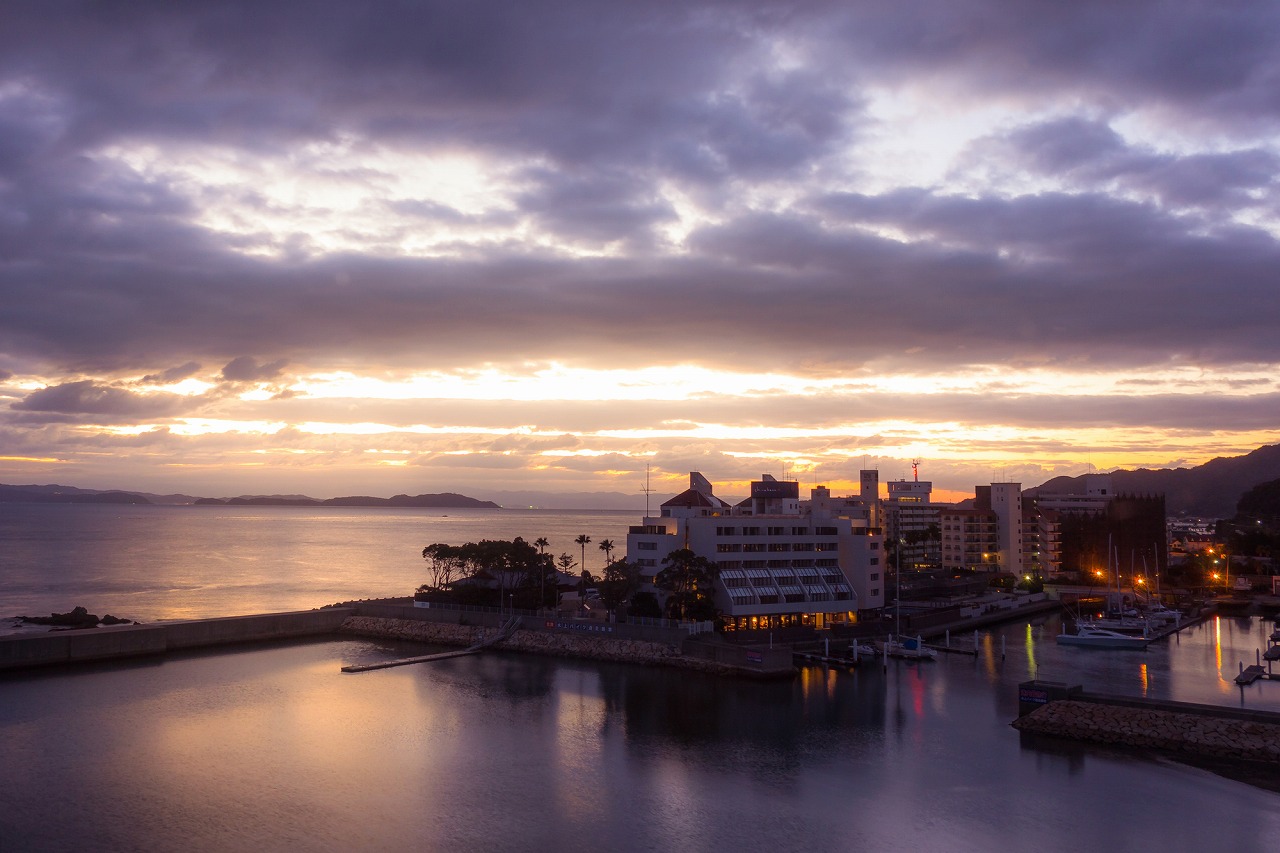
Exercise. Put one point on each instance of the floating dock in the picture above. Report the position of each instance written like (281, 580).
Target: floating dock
(365, 667)
(1250, 674)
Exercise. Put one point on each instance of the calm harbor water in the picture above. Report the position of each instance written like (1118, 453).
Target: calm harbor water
(152, 563)
(274, 748)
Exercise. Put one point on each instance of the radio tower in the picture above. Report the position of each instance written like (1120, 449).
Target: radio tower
(915, 470)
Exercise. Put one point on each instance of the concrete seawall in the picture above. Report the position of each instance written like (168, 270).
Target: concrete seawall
(557, 643)
(650, 645)
(125, 641)
(1189, 730)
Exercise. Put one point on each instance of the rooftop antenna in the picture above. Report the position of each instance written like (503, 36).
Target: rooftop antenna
(647, 491)
(915, 470)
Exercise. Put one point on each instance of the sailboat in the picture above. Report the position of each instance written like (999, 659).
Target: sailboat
(1116, 630)
(897, 646)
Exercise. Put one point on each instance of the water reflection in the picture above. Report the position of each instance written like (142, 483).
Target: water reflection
(275, 748)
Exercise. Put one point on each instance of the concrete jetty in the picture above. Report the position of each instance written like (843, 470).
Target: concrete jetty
(127, 641)
(1181, 728)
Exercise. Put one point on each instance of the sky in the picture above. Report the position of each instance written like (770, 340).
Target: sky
(336, 247)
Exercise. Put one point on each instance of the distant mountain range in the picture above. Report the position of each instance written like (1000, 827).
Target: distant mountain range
(71, 494)
(1211, 490)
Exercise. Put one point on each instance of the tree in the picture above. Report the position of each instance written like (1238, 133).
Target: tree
(447, 564)
(541, 544)
(620, 581)
(644, 605)
(689, 581)
(607, 546)
(583, 540)
(510, 571)
(566, 563)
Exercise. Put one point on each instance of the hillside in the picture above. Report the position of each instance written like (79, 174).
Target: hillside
(66, 495)
(1211, 490)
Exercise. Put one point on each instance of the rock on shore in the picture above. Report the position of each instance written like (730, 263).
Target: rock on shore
(1155, 728)
(557, 644)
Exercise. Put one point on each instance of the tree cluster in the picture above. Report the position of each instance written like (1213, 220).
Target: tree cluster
(494, 572)
(689, 581)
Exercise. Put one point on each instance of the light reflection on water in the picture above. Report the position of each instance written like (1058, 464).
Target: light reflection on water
(183, 562)
(274, 748)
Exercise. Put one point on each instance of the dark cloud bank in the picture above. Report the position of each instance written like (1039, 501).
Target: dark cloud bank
(1138, 256)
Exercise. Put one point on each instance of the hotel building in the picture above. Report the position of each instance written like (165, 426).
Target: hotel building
(782, 562)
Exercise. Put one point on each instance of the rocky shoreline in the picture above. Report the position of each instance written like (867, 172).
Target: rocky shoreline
(1183, 734)
(556, 644)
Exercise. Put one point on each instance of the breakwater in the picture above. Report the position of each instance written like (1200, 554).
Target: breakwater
(576, 644)
(126, 641)
(647, 645)
(1198, 731)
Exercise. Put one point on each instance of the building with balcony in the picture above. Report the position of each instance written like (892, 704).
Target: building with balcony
(781, 563)
(986, 533)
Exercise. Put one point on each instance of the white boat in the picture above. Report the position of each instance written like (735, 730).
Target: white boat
(864, 650)
(1158, 614)
(1129, 625)
(910, 648)
(1101, 638)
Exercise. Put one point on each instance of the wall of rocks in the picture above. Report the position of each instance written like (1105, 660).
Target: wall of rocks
(571, 645)
(1156, 728)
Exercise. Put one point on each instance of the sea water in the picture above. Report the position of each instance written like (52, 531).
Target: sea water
(274, 748)
(154, 563)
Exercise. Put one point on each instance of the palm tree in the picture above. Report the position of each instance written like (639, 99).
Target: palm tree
(541, 544)
(606, 545)
(583, 540)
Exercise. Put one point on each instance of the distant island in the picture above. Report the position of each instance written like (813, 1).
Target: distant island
(1211, 490)
(74, 495)
(67, 495)
(447, 499)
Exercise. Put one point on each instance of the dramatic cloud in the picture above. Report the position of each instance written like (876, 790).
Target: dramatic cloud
(332, 245)
(90, 398)
(246, 369)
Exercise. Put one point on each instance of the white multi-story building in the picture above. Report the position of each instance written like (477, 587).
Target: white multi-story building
(985, 533)
(781, 563)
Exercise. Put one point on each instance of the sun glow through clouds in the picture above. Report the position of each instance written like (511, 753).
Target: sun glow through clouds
(349, 195)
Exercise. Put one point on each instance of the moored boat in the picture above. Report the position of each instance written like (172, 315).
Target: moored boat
(910, 648)
(1096, 637)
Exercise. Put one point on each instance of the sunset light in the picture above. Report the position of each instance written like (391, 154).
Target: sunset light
(784, 250)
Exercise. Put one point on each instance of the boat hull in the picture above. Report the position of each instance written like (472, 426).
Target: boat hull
(1099, 641)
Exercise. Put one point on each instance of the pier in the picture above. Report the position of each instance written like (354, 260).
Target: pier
(508, 628)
